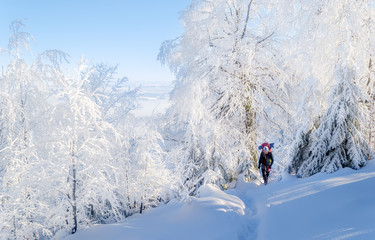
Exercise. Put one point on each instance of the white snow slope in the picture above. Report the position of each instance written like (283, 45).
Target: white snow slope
(324, 206)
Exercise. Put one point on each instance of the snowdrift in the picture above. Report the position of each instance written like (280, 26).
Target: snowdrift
(324, 206)
(212, 215)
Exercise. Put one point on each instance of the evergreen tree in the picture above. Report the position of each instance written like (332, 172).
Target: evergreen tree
(348, 27)
(339, 141)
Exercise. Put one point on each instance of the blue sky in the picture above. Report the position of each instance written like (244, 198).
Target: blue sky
(111, 31)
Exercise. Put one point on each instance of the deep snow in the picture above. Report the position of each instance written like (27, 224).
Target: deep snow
(325, 206)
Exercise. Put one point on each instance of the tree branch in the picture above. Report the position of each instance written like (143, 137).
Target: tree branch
(247, 19)
(264, 39)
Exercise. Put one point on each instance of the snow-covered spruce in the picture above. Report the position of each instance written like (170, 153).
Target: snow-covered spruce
(339, 142)
(298, 150)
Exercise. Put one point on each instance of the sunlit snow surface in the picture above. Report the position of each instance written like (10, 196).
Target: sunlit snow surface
(335, 206)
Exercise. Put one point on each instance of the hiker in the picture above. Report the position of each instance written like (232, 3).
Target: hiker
(265, 161)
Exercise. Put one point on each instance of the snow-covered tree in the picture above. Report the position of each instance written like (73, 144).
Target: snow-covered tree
(7, 120)
(115, 98)
(347, 27)
(228, 71)
(149, 179)
(24, 102)
(63, 164)
(339, 141)
(82, 151)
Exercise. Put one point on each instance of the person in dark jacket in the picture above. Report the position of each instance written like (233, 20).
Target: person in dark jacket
(265, 162)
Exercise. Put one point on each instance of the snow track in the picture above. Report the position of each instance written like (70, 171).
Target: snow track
(324, 206)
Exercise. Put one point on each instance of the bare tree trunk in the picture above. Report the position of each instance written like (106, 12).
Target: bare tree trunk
(251, 133)
(371, 122)
(15, 227)
(74, 198)
(23, 121)
(371, 85)
(74, 189)
(141, 208)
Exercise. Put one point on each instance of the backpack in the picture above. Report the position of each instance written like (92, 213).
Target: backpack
(268, 160)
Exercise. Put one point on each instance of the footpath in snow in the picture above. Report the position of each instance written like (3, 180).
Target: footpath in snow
(324, 206)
